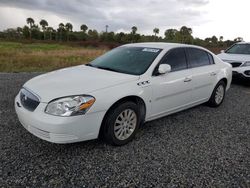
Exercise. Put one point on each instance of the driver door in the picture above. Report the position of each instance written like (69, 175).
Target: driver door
(172, 91)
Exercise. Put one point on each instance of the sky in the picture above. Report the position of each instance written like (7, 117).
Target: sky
(227, 18)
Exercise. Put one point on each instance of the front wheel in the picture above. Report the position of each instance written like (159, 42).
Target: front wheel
(121, 123)
(218, 95)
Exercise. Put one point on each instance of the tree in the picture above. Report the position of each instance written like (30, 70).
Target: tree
(214, 40)
(186, 34)
(119, 37)
(156, 31)
(61, 29)
(93, 34)
(134, 30)
(170, 34)
(186, 31)
(84, 28)
(50, 30)
(31, 22)
(19, 31)
(69, 28)
(221, 38)
(26, 32)
(44, 24)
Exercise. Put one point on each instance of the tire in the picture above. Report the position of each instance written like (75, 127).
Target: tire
(218, 95)
(121, 123)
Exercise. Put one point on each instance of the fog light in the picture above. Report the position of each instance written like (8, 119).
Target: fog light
(247, 72)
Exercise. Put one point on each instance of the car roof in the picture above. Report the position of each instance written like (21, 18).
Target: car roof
(243, 43)
(161, 45)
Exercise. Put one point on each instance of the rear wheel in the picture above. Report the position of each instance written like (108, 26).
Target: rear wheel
(218, 95)
(121, 123)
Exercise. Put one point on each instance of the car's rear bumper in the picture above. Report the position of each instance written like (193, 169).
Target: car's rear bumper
(59, 129)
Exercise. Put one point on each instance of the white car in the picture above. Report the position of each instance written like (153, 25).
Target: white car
(238, 56)
(114, 94)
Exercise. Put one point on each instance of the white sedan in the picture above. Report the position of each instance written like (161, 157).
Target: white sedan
(238, 56)
(113, 95)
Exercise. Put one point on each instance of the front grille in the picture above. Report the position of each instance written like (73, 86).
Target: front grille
(236, 64)
(28, 100)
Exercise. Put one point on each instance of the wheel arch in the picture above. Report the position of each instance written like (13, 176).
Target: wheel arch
(133, 98)
(224, 80)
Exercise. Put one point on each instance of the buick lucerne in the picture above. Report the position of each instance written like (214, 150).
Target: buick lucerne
(116, 93)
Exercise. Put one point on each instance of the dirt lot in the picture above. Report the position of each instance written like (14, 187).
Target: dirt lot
(200, 147)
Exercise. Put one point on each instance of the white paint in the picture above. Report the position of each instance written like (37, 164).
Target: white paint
(162, 95)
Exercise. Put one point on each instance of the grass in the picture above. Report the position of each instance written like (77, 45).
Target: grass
(41, 57)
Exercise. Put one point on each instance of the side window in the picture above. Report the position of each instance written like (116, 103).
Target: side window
(211, 58)
(176, 58)
(197, 57)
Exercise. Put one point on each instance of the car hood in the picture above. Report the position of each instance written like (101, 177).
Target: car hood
(234, 57)
(74, 81)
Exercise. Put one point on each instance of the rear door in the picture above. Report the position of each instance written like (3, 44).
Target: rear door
(204, 73)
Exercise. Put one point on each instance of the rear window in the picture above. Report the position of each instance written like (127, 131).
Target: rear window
(198, 58)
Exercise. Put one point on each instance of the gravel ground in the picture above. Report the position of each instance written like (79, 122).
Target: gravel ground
(200, 147)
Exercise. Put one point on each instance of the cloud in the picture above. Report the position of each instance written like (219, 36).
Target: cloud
(194, 2)
(119, 15)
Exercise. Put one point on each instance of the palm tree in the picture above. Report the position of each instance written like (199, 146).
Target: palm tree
(60, 29)
(156, 31)
(134, 29)
(31, 22)
(84, 28)
(221, 38)
(44, 24)
(68, 27)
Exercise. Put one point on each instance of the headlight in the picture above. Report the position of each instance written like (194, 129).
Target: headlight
(70, 106)
(247, 63)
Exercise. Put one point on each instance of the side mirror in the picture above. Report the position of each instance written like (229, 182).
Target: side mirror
(164, 68)
(222, 51)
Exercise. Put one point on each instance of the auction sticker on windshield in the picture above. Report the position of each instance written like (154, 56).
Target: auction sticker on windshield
(154, 50)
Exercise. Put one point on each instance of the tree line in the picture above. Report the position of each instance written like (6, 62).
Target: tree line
(64, 32)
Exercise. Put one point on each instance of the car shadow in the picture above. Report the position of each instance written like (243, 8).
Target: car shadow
(242, 82)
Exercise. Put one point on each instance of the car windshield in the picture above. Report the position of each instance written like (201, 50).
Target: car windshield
(239, 49)
(128, 60)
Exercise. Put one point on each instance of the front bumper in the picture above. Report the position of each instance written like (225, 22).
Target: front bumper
(59, 129)
(241, 72)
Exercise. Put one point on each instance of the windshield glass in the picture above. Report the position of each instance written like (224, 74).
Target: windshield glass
(129, 60)
(239, 49)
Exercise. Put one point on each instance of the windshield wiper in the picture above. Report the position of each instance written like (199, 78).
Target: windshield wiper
(108, 69)
(89, 65)
(104, 68)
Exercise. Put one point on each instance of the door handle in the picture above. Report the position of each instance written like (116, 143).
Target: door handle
(187, 79)
(213, 74)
